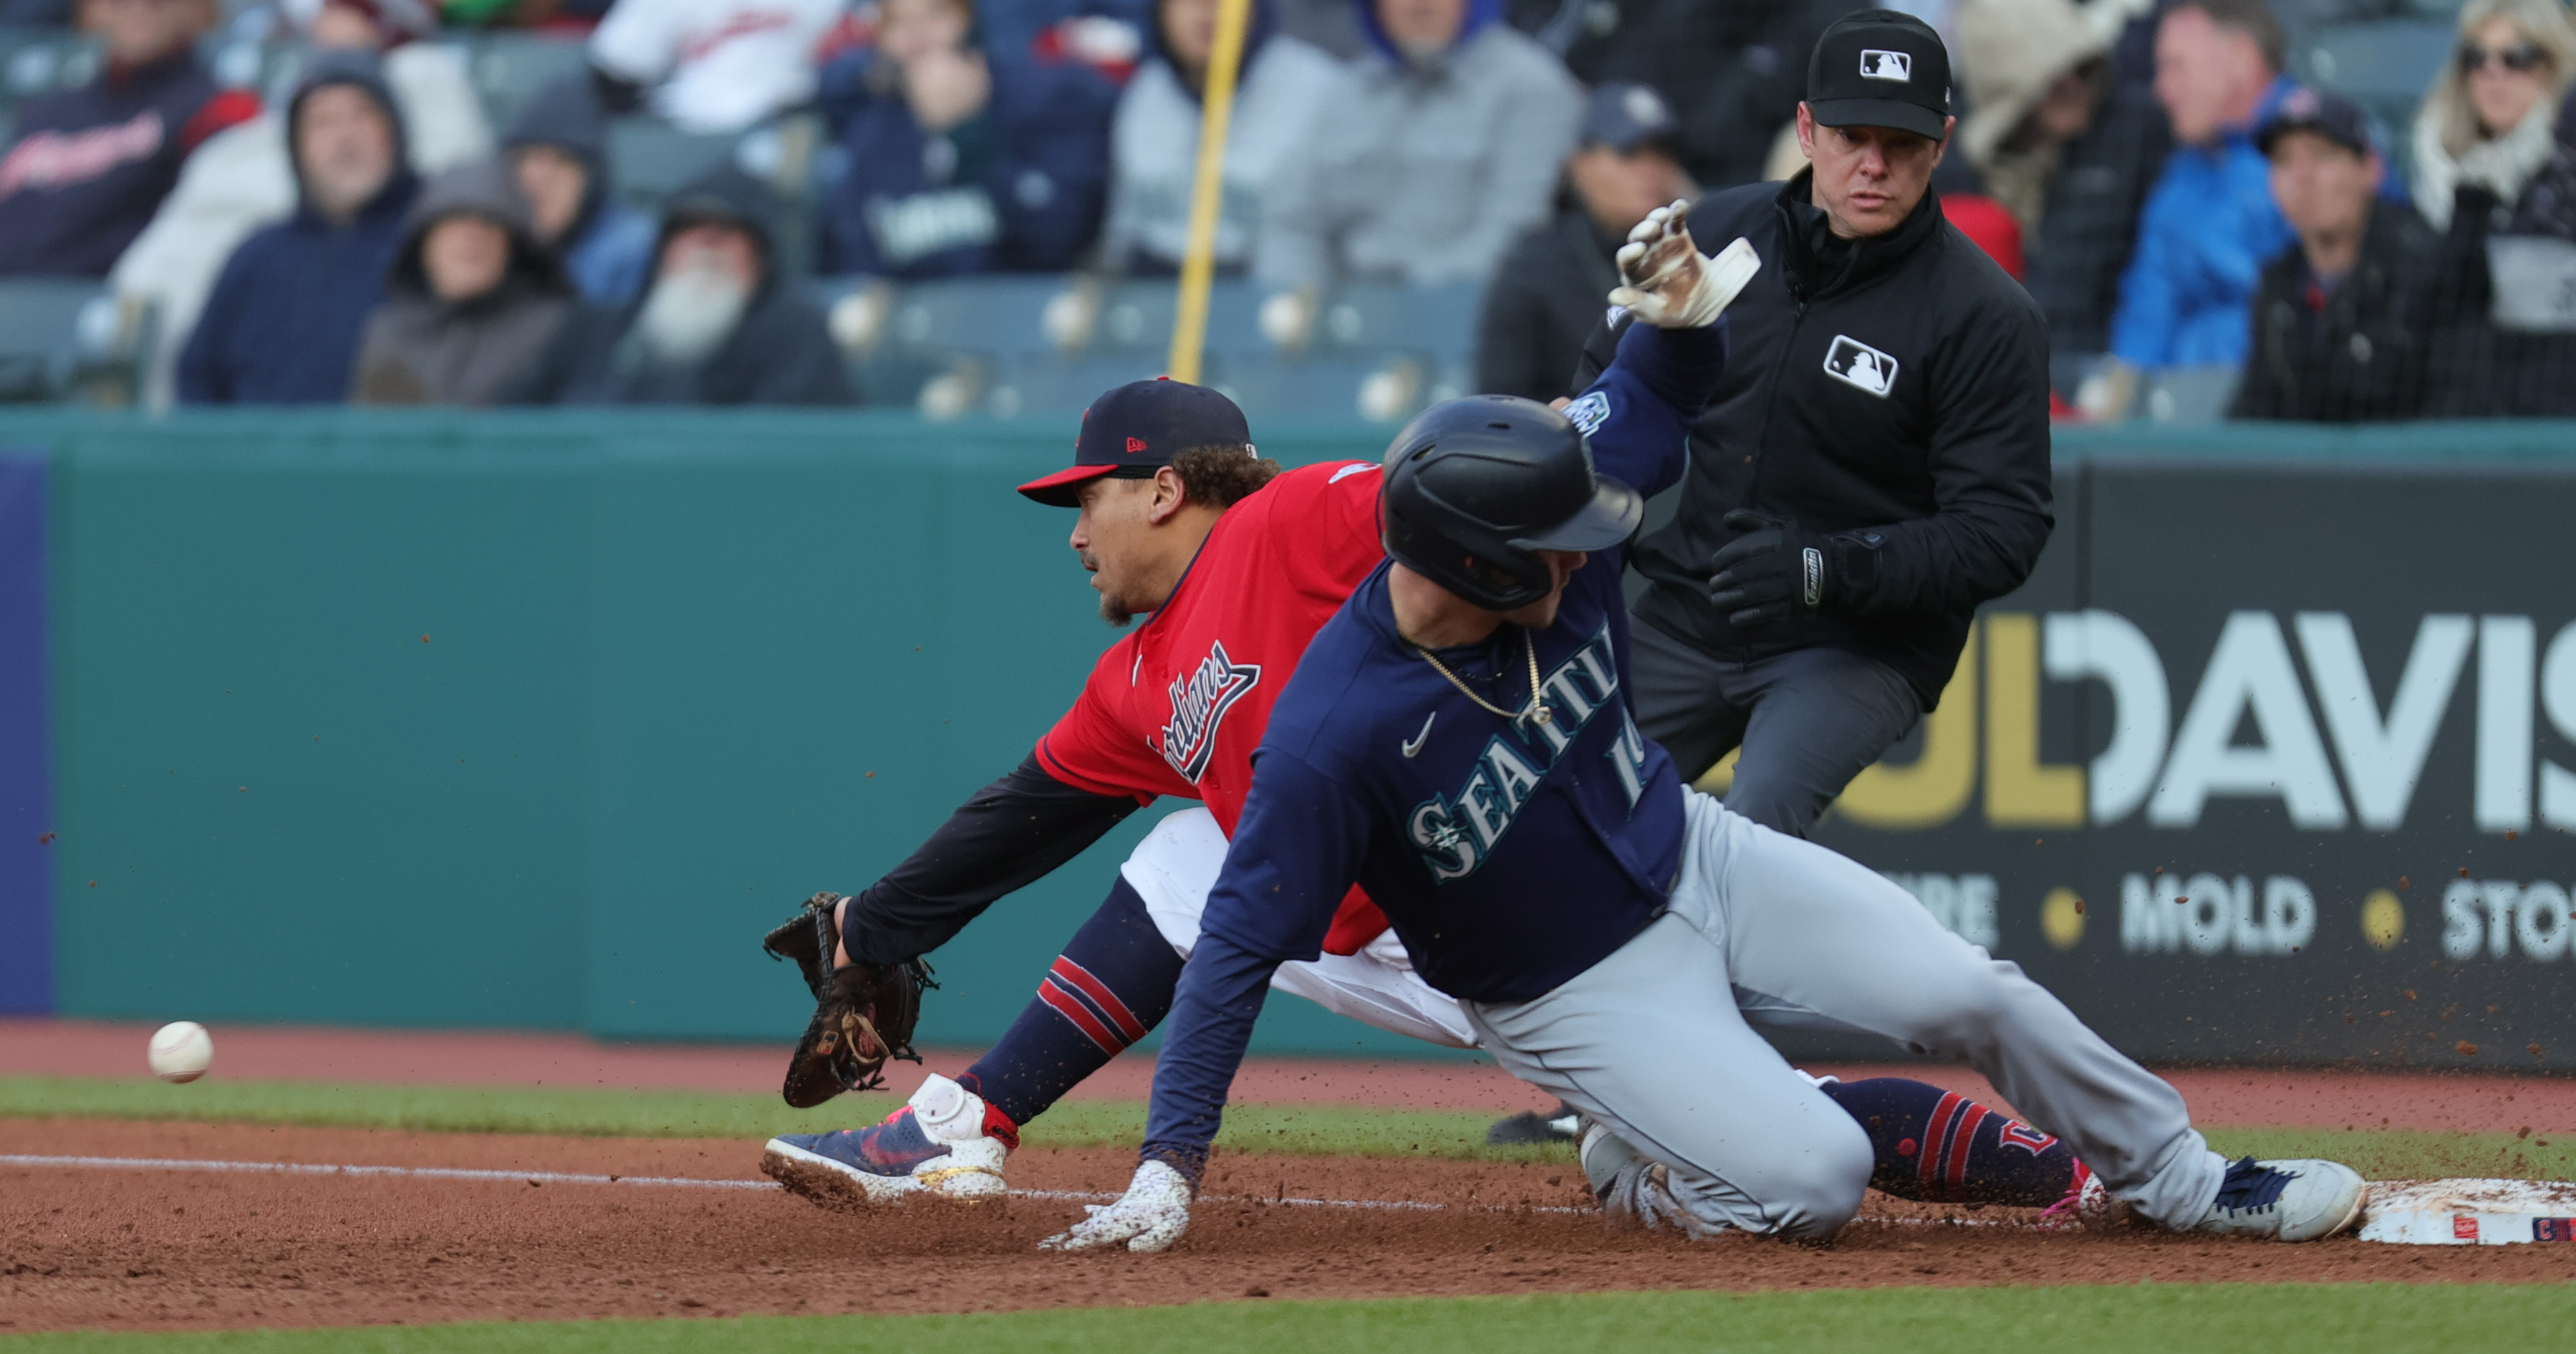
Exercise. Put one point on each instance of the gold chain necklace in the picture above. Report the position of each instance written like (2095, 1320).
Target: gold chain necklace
(1536, 711)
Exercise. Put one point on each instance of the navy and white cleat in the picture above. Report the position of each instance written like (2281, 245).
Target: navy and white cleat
(935, 1147)
(2290, 1200)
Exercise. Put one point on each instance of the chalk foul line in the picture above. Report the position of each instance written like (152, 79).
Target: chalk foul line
(96, 1163)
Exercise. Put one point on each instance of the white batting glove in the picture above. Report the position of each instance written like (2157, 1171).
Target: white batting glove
(1149, 1217)
(1668, 283)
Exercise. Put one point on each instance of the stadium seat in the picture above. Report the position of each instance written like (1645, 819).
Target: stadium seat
(1061, 388)
(1001, 316)
(1435, 322)
(1137, 316)
(65, 338)
(41, 60)
(2189, 396)
(2391, 62)
(1329, 389)
(650, 159)
(509, 69)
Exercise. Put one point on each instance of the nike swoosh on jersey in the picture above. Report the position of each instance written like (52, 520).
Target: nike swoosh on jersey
(1414, 744)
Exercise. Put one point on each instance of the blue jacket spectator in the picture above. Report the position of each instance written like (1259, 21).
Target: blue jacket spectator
(2210, 224)
(88, 167)
(558, 151)
(960, 162)
(715, 326)
(2208, 229)
(283, 322)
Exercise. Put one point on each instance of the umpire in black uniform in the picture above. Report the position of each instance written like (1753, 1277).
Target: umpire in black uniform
(1874, 465)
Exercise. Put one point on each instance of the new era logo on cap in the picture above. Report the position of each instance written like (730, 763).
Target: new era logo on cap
(1135, 445)
(1878, 65)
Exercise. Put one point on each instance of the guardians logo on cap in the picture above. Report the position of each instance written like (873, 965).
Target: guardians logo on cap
(1880, 68)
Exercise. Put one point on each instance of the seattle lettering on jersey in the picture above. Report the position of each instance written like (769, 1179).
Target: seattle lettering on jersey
(1458, 833)
(1199, 703)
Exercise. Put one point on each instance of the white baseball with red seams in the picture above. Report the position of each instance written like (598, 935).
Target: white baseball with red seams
(181, 1051)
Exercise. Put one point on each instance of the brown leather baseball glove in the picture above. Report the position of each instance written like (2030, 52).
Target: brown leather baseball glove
(863, 1013)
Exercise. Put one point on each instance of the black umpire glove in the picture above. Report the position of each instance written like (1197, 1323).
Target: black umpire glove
(1774, 570)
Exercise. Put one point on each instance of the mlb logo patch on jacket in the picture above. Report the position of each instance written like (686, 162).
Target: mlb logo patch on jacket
(1855, 363)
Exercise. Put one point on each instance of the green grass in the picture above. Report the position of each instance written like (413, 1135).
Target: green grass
(1316, 1131)
(1331, 1130)
(2148, 1319)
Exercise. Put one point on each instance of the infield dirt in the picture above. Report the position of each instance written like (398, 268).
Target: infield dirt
(153, 1249)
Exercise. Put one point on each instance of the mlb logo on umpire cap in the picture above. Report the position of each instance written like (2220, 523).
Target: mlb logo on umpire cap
(1880, 68)
(1878, 65)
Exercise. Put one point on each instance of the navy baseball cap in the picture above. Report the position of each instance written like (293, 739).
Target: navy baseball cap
(2324, 112)
(1137, 429)
(1880, 68)
(1624, 117)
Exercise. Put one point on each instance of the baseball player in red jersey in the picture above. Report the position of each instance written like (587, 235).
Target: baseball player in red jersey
(1239, 564)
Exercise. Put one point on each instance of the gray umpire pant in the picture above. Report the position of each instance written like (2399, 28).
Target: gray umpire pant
(1656, 1041)
(1808, 721)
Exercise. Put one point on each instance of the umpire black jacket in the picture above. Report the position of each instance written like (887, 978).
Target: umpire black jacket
(1898, 383)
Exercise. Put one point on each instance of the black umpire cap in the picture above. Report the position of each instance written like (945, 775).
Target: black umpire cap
(1880, 68)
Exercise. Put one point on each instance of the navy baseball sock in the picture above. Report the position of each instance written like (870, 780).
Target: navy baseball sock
(1112, 984)
(1941, 1147)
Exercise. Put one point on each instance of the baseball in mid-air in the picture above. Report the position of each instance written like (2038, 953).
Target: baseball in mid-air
(181, 1051)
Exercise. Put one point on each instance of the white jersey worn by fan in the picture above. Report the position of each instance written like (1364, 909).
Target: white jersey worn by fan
(716, 65)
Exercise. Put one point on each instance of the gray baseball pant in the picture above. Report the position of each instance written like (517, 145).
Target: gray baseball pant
(1808, 721)
(1656, 1041)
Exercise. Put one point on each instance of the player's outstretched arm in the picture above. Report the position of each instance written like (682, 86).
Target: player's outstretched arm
(1009, 835)
(1295, 853)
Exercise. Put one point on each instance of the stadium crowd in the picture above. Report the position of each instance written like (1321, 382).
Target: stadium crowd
(363, 228)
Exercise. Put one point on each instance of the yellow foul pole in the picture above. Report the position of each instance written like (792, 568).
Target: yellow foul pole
(1207, 193)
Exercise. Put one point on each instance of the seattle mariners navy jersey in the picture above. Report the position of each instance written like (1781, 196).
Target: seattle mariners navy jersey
(1508, 854)
(1177, 707)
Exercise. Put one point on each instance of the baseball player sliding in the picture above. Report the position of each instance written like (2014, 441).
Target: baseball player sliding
(1457, 742)
(1239, 565)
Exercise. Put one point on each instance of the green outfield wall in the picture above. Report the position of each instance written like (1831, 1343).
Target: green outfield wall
(540, 720)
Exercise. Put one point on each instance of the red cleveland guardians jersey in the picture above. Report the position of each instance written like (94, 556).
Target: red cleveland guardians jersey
(1177, 707)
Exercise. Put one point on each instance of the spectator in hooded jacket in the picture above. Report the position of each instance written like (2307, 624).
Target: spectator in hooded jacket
(2342, 328)
(558, 152)
(2210, 224)
(2065, 147)
(89, 166)
(1553, 288)
(960, 161)
(1435, 151)
(716, 325)
(243, 178)
(474, 300)
(282, 324)
(1154, 144)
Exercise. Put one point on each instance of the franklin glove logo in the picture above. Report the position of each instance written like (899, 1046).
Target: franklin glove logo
(1813, 589)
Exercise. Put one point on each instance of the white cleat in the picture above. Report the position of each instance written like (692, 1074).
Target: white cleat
(2298, 1199)
(934, 1147)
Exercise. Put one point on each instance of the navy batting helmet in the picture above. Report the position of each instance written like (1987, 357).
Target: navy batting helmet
(1476, 487)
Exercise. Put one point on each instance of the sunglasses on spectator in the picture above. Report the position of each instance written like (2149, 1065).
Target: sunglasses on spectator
(2522, 59)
